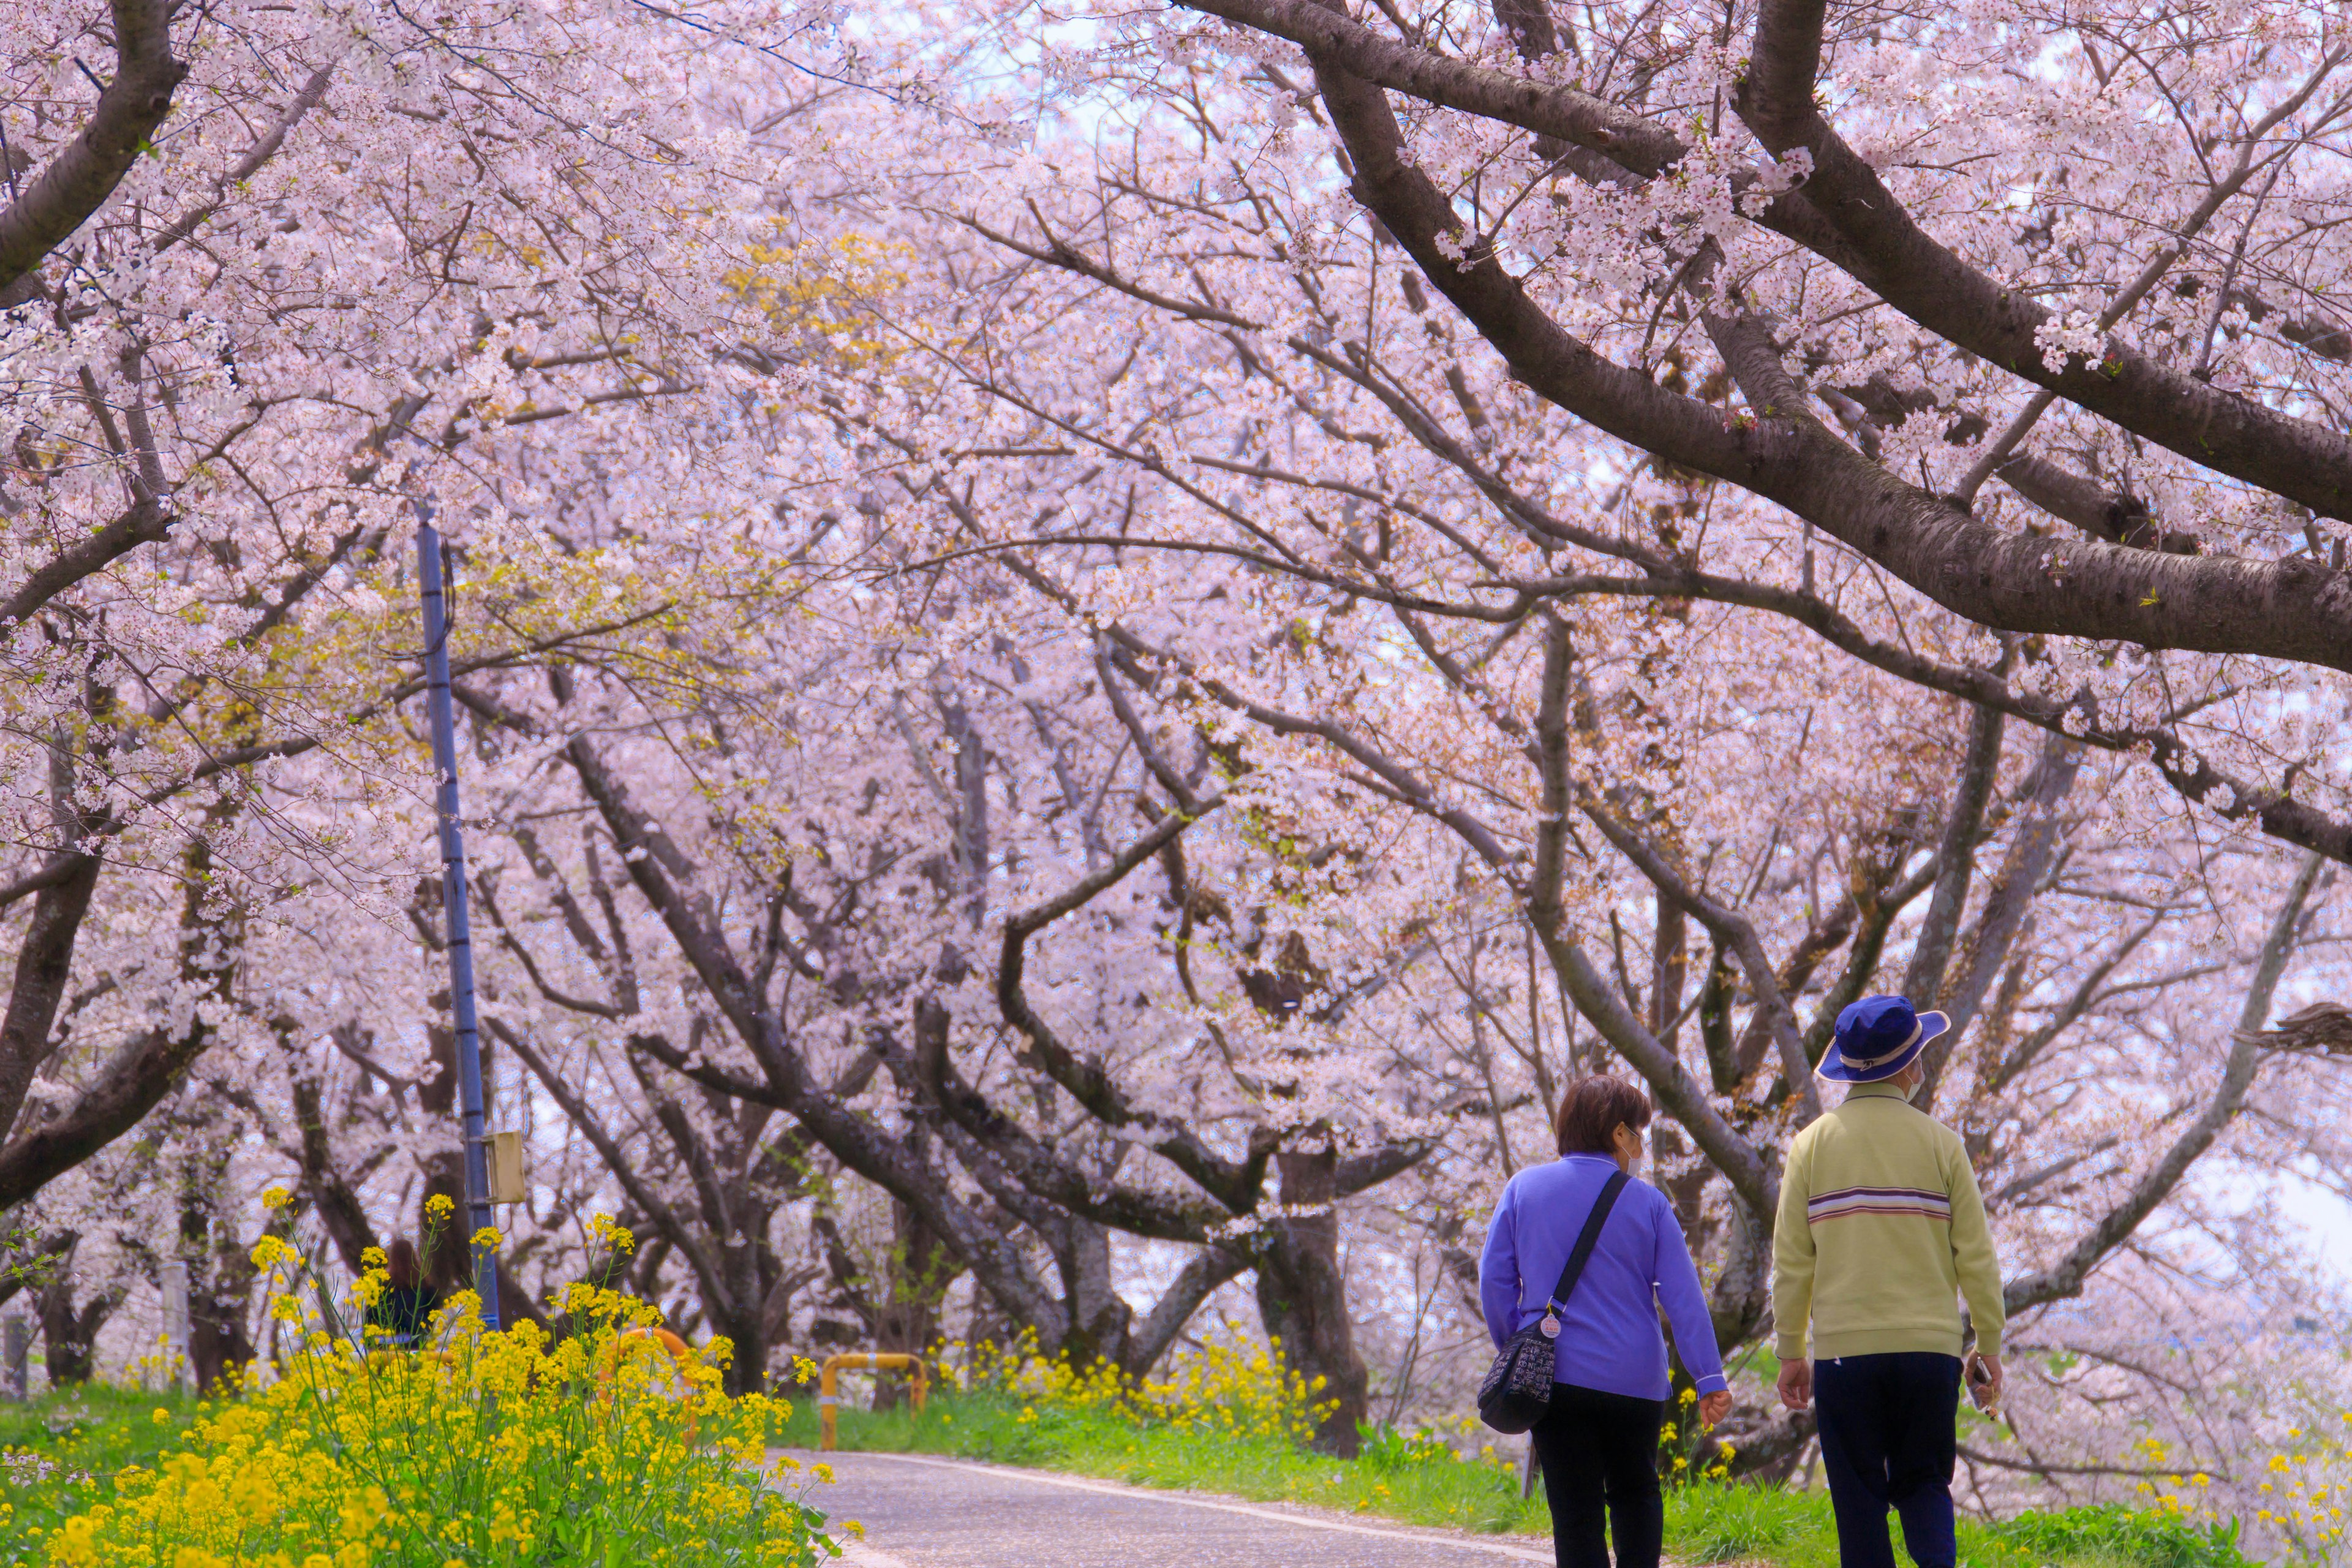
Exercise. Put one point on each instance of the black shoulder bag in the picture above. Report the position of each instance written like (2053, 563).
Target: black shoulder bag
(1517, 1390)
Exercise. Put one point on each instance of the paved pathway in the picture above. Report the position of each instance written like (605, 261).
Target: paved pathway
(924, 1512)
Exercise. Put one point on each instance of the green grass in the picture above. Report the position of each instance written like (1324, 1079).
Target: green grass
(1401, 1480)
(86, 1435)
(59, 1453)
(1793, 1529)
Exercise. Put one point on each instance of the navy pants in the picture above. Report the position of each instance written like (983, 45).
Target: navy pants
(1887, 1425)
(1600, 1452)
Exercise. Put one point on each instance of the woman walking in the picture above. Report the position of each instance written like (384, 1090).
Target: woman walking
(1597, 1441)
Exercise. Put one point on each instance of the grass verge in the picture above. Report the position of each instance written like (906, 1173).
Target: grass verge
(60, 1451)
(1405, 1481)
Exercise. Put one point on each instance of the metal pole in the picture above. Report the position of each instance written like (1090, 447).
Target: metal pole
(453, 908)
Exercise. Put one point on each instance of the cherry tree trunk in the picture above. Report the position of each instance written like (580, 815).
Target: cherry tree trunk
(69, 1335)
(1302, 1296)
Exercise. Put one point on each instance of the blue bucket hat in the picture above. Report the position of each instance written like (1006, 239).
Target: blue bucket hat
(1877, 1037)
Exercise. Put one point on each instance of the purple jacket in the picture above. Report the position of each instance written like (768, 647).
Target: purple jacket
(1608, 1337)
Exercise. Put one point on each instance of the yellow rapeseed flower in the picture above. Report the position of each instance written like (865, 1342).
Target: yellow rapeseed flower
(343, 1459)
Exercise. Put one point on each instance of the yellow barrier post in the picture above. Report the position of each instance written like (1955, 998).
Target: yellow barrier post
(828, 1387)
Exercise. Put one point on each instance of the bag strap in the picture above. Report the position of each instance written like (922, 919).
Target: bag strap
(1587, 1239)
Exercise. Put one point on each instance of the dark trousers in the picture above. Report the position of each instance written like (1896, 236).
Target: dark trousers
(1601, 1450)
(1887, 1425)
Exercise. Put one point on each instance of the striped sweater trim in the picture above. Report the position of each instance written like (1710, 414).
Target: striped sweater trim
(1848, 1201)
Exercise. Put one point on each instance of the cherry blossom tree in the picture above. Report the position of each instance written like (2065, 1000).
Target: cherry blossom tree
(1214, 378)
(1099, 648)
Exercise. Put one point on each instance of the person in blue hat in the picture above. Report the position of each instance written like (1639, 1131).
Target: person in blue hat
(1882, 1232)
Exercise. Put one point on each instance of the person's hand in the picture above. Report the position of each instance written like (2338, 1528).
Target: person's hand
(1713, 1407)
(1989, 1384)
(1796, 1384)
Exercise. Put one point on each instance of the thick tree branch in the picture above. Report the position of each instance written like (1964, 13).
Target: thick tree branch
(2010, 581)
(1755, 1179)
(1892, 256)
(1202, 1273)
(44, 964)
(80, 179)
(2031, 848)
(131, 1083)
(146, 521)
(1844, 213)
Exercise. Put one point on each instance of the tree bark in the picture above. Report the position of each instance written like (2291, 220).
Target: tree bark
(1302, 1299)
(69, 1333)
(44, 964)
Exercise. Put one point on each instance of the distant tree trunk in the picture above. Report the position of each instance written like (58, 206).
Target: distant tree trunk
(220, 1291)
(441, 1243)
(69, 1335)
(218, 1338)
(746, 1331)
(449, 1262)
(339, 1209)
(219, 1262)
(1096, 1322)
(908, 1322)
(1303, 1301)
(899, 1311)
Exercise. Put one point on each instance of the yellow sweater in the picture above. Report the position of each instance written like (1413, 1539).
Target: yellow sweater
(1881, 1229)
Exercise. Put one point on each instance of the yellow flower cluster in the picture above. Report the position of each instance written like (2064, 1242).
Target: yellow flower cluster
(1686, 1447)
(2302, 1492)
(477, 1448)
(1229, 1387)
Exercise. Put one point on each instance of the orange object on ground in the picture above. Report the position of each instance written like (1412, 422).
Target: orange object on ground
(828, 1396)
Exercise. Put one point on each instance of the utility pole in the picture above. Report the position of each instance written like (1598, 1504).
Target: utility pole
(453, 908)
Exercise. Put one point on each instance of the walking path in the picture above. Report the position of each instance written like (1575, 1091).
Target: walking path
(920, 1512)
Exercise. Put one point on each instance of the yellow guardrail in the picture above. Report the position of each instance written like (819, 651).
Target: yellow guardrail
(828, 1388)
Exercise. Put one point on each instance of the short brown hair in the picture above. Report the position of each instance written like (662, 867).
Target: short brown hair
(1594, 1109)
